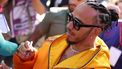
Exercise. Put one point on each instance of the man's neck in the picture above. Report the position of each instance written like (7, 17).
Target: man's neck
(77, 48)
(84, 45)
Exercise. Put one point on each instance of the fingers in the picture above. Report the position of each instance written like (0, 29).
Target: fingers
(21, 48)
(26, 50)
(0, 66)
(4, 66)
(27, 44)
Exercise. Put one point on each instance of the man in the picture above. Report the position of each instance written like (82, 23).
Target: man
(79, 48)
(54, 23)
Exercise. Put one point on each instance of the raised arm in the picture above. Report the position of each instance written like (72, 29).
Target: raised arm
(7, 48)
(38, 6)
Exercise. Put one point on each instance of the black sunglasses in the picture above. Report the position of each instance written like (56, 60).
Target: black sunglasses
(77, 24)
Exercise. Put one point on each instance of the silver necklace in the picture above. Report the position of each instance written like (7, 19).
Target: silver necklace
(73, 50)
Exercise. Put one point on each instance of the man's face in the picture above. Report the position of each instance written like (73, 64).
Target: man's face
(82, 15)
(3, 2)
(120, 6)
(73, 3)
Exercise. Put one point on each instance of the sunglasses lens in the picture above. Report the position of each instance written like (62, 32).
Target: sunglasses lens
(76, 24)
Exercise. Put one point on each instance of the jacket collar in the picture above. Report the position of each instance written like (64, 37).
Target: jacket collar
(77, 61)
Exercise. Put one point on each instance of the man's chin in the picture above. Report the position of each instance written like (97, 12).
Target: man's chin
(71, 42)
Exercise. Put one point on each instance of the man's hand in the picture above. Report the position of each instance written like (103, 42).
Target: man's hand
(26, 50)
(4, 66)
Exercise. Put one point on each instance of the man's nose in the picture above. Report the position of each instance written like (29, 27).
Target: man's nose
(70, 25)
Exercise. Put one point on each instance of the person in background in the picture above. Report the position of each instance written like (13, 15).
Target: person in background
(38, 7)
(119, 62)
(112, 36)
(79, 48)
(119, 4)
(113, 32)
(7, 48)
(20, 15)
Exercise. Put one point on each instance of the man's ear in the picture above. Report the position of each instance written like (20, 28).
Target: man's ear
(97, 31)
